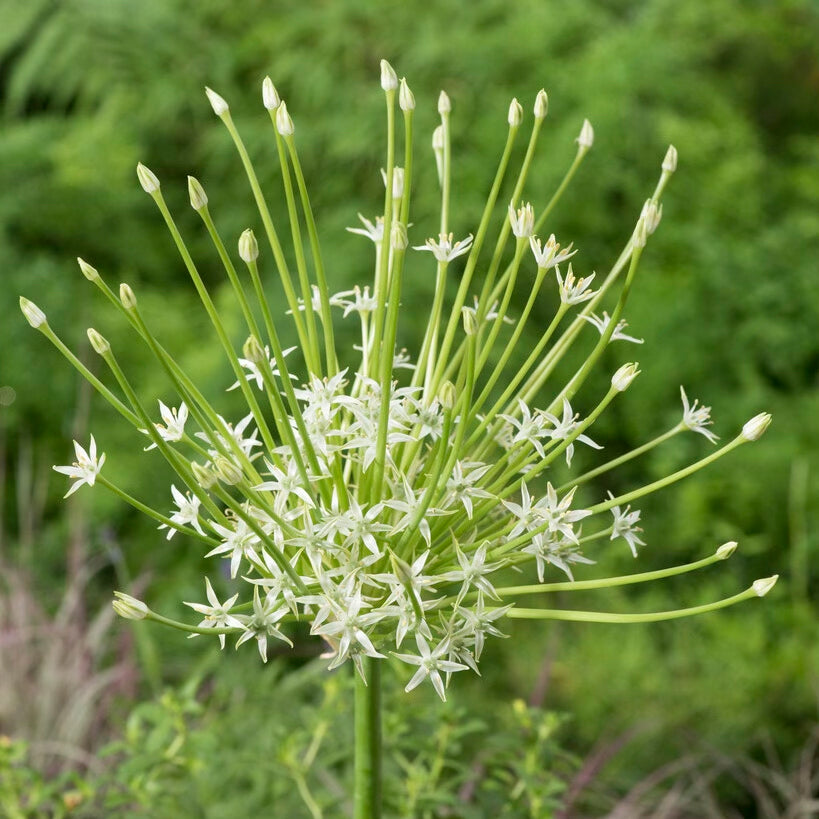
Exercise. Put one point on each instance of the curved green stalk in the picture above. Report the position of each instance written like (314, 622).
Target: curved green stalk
(613, 617)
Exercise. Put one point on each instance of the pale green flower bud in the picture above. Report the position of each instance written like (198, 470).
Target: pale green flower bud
(755, 428)
(284, 123)
(515, 115)
(219, 104)
(470, 321)
(227, 471)
(199, 199)
(444, 103)
(447, 395)
(248, 246)
(389, 79)
(147, 178)
(98, 341)
(726, 550)
(622, 379)
(586, 137)
(438, 139)
(34, 315)
(252, 350)
(89, 272)
(270, 96)
(127, 296)
(129, 607)
(762, 586)
(398, 236)
(651, 213)
(397, 181)
(438, 150)
(640, 232)
(541, 104)
(406, 99)
(204, 475)
(670, 161)
(402, 569)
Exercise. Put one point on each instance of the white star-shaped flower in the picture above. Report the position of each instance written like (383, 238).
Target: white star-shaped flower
(697, 418)
(445, 250)
(573, 290)
(565, 427)
(625, 526)
(374, 232)
(262, 624)
(174, 427)
(187, 512)
(549, 255)
(602, 324)
(85, 469)
(217, 615)
(430, 664)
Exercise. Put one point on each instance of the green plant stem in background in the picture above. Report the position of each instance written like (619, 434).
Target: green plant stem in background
(367, 774)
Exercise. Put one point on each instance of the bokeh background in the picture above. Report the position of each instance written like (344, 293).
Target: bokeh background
(714, 714)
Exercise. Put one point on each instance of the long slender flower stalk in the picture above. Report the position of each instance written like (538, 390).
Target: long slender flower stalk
(377, 496)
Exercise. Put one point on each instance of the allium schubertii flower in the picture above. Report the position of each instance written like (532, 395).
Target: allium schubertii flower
(381, 496)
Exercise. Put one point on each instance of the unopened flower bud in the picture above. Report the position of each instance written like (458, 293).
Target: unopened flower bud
(248, 246)
(199, 199)
(129, 607)
(406, 99)
(204, 475)
(147, 178)
(89, 272)
(284, 123)
(270, 96)
(438, 139)
(640, 233)
(444, 103)
(438, 150)
(622, 379)
(762, 586)
(541, 104)
(515, 115)
(755, 428)
(586, 137)
(670, 161)
(726, 550)
(397, 181)
(389, 79)
(470, 321)
(127, 296)
(98, 341)
(402, 570)
(34, 315)
(398, 236)
(219, 104)
(227, 471)
(651, 214)
(253, 351)
(447, 395)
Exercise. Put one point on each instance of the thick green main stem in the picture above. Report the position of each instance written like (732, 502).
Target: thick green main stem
(367, 783)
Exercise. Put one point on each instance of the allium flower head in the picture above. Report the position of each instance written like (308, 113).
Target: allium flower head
(387, 498)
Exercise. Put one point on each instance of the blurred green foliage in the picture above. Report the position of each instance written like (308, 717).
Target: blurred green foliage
(726, 298)
(177, 758)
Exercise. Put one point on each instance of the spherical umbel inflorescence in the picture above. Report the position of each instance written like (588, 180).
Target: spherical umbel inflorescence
(386, 497)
